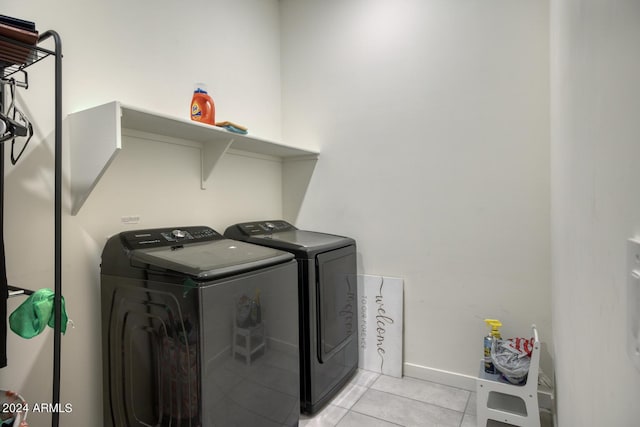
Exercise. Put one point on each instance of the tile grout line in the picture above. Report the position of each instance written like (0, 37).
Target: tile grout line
(369, 415)
(370, 387)
(422, 401)
(349, 409)
(381, 419)
(373, 383)
(465, 409)
(436, 382)
(421, 380)
(342, 417)
(367, 388)
(404, 397)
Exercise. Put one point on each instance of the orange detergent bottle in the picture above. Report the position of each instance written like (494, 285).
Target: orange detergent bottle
(202, 107)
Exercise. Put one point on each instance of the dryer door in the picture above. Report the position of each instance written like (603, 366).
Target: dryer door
(336, 291)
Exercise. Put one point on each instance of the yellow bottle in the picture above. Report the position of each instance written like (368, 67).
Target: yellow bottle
(494, 334)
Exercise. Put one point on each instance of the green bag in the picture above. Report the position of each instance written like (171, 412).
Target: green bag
(33, 315)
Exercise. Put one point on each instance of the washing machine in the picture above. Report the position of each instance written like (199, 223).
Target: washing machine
(327, 304)
(198, 330)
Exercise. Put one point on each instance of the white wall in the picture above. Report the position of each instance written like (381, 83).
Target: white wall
(432, 118)
(434, 138)
(595, 207)
(434, 156)
(147, 54)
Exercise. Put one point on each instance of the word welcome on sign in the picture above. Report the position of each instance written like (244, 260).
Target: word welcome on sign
(380, 328)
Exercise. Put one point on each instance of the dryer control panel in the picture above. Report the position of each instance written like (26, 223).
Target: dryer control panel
(263, 227)
(173, 236)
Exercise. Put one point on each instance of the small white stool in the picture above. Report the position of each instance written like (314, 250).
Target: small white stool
(252, 340)
(509, 403)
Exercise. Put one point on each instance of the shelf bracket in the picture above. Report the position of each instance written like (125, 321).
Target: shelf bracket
(210, 156)
(95, 142)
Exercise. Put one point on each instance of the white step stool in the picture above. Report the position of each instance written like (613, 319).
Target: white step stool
(502, 401)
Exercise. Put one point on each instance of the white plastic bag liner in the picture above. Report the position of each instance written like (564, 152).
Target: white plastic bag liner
(510, 361)
(380, 324)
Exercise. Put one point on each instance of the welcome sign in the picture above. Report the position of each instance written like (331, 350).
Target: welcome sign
(380, 319)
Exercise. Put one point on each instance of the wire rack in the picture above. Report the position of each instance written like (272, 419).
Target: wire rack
(15, 56)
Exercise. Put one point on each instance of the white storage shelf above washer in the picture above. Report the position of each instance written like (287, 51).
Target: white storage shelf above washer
(96, 138)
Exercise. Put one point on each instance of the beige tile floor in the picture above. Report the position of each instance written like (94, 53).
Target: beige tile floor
(374, 400)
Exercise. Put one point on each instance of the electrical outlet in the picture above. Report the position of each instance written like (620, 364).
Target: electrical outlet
(633, 301)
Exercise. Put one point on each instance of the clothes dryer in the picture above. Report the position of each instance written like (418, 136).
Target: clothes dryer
(327, 304)
(198, 330)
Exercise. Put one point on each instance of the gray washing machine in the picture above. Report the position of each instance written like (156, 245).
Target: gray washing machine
(198, 330)
(327, 299)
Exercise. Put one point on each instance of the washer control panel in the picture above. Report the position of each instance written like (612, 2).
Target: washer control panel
(264, 227)
(168, 236)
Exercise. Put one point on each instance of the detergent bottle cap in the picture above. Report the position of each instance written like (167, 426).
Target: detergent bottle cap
(200, 88)
(494, 324)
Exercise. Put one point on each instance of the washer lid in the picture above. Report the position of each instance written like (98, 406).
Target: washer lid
(211, 260)
(303, 239)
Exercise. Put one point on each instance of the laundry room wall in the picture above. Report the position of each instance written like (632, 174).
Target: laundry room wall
(595, 147)
(432, 120)
(147, 54)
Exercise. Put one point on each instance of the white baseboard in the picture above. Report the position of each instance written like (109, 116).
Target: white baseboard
(453, 379)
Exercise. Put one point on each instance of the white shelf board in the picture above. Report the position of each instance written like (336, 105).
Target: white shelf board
(96, 139)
